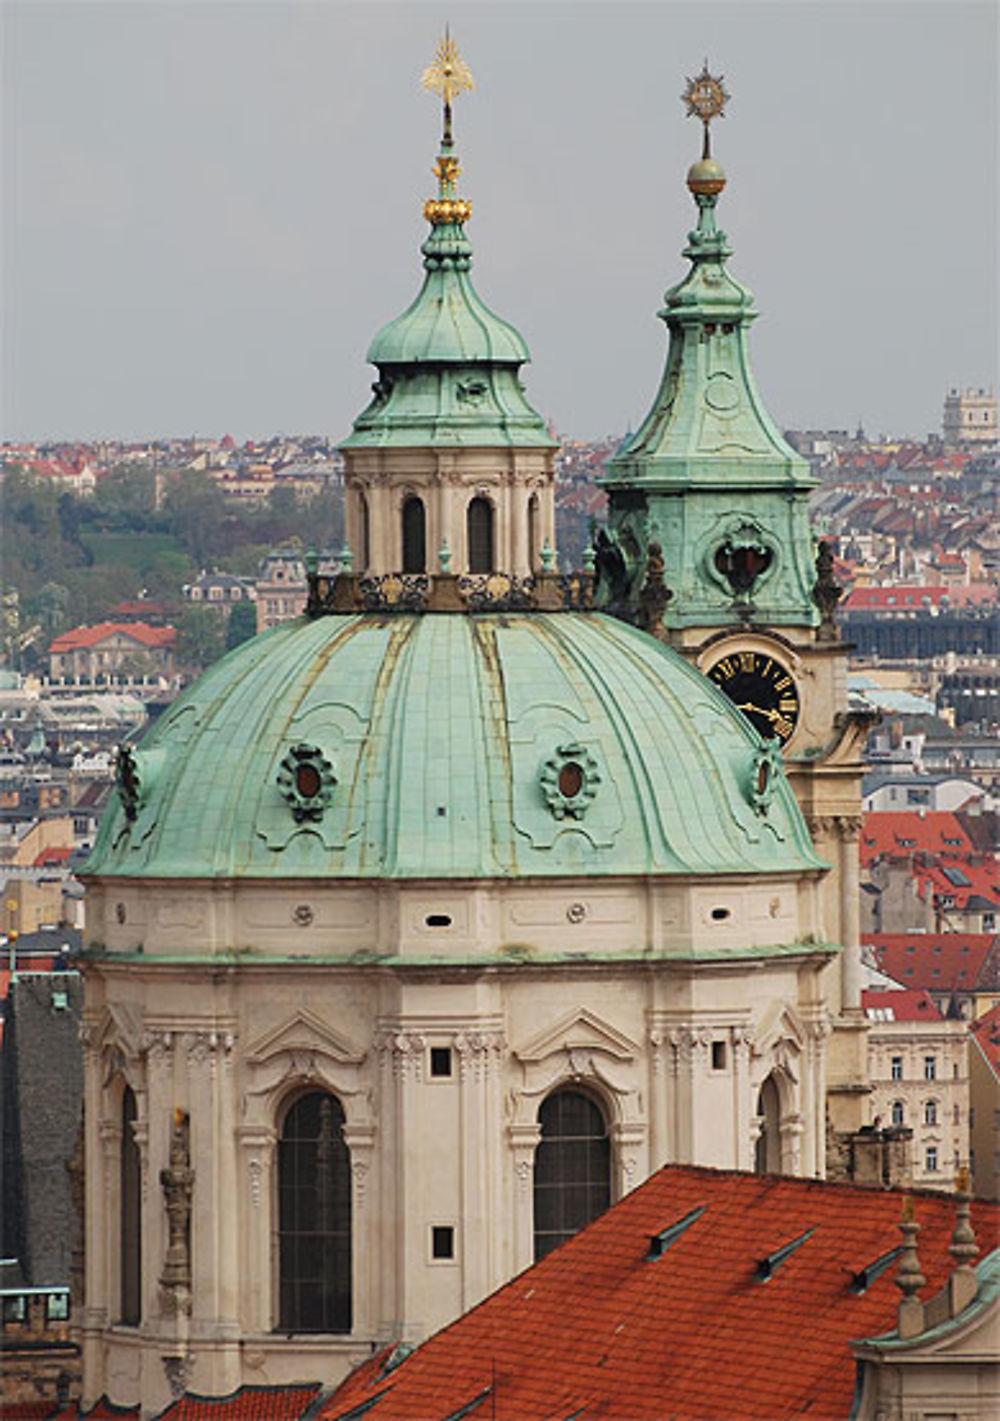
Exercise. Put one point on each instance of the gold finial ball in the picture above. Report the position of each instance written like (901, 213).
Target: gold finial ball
(706, 177)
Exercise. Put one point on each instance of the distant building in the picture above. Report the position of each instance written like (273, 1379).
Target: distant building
(41, 1088)
(281, 588)
(960, 972)
(112, 651)
(984, 1102)
(970, 418)
(884, 791)
(220, 589)
(920, 1079)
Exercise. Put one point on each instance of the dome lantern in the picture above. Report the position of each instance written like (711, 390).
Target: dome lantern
(449, 449)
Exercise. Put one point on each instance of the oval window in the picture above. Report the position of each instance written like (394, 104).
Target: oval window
(570, 780)
(307, 781)
(763, 776)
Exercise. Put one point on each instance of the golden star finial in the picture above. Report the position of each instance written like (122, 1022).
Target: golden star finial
(706, 97)
(449, 74)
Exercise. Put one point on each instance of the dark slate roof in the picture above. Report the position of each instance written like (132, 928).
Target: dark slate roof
(41, 1089)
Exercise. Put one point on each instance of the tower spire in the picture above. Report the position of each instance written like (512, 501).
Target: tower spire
(422, 470)
(448, 75)
(708, 475)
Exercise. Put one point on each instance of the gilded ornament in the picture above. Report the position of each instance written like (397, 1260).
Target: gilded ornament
(706, 96)
(441, 210)
(448, 74)
(447, 170)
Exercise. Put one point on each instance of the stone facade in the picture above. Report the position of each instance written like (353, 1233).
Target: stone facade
(675, 1057)
(920, 1079)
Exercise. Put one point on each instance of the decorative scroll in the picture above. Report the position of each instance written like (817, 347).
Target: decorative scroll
(395, 592)
(443, 592)
(498, 591)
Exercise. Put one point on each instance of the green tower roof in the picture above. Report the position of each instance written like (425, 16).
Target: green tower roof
(708, 425)
(448, 366)
(707, 491)
(433, 746)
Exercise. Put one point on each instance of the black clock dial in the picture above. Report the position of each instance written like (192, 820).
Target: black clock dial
(762, 689)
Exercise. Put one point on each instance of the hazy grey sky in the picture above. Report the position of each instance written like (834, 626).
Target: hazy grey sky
(210, 208)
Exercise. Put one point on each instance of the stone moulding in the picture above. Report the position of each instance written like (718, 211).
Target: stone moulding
(349, 592)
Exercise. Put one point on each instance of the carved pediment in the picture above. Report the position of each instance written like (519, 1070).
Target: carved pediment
(781, 1034)
(121, 1029)
(579, 1032)
(304, 1034)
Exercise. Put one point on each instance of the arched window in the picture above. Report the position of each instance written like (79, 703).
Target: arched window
(930, 1112)
(479, 532)
(572, 1168)
(534, 543)
(130, 1187)
(414, 535)
(314, 1217)
(366, 549)
(898, 1113)
(768, 1152)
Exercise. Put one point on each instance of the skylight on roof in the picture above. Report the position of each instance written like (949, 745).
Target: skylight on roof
(956, 877)
(767, 1267)
(659, 1243)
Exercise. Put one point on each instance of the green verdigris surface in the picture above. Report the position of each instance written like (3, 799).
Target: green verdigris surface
(448, 367)
(708, 467)
(444, 736)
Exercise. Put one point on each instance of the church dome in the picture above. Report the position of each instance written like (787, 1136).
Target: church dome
(448, 367)
(451, 746)
(448, 322)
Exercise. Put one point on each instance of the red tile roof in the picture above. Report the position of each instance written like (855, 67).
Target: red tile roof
(81, 637)
(603, 1328)
(980, 881)
(903, 833)
(935, 962)
(905, 1005)
(249, 1403)
(51, 857)
(986, 1034)
(102, 1410)
(915, 597)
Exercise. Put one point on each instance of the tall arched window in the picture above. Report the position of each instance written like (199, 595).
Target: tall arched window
(768, 1153)
(898, 1113)
(479, 532)
(534, 543)
(414, 535)
(572, 1168)
(130, 1194)
(314, 1217)
(366, 548)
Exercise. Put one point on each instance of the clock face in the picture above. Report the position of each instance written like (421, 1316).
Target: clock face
(762, 689)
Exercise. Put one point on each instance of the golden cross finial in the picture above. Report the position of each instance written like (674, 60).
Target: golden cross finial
(449, 74)
(706, 97)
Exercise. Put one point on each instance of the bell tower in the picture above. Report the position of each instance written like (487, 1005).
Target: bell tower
(709, 547)
(449, 462)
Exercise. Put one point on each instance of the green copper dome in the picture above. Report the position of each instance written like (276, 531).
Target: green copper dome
(447, 323)
(448, 366)
(451, 746)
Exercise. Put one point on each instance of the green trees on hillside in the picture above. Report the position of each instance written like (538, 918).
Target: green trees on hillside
(71, 559)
